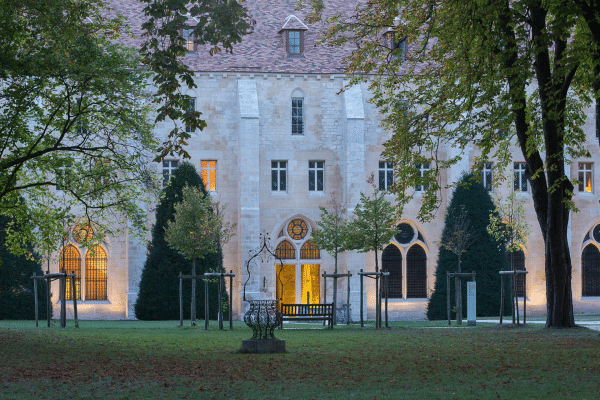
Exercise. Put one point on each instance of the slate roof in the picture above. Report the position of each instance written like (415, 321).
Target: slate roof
(262, 51)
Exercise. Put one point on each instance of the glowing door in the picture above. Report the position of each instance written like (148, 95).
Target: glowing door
(310, 284)
(286, 283)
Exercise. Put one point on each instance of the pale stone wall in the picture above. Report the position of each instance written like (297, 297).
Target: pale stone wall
(249, 125)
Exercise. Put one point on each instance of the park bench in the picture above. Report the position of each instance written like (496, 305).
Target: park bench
(307, 312)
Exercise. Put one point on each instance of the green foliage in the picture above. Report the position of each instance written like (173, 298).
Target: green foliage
(372, 225)
(217, 23)
(484, 74)
(158, 297)
(73, 117)
(482, 255)
(16, 286)
(508, 224)
(332, 233)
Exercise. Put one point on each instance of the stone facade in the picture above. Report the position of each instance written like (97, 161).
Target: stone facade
(249, 117)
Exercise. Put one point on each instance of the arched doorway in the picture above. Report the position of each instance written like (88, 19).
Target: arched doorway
(299, 279)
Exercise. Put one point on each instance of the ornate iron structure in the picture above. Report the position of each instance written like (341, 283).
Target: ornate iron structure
(263, 316)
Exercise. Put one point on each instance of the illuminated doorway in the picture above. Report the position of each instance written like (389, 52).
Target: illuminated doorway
(298, 281)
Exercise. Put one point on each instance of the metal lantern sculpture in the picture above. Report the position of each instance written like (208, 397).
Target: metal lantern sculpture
(262, 316)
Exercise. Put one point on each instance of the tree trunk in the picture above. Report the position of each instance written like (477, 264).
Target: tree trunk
(193, 306)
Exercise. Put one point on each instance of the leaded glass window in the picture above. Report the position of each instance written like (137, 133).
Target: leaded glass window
(405, 234)
(285, 251)
(70, 262)
(416, 272)
(309, 251)
(590, 271)
(82, 233)
(297, 229)
(391, 261)
(95, 274)
(294, 42)
(316, 172)
(297, 116)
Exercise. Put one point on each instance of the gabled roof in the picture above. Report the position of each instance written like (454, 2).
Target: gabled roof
(293, 23)
(262, 51)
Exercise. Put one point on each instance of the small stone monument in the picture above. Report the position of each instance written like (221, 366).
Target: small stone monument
(471, 303)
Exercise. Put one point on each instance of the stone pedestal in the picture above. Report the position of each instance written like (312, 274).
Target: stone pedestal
(263, 346)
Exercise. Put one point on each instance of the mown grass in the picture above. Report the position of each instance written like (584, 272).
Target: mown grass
(421, 360)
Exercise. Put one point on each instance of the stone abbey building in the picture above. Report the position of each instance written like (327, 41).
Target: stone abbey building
(282, 141)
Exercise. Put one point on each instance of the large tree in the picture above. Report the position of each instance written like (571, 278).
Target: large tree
(75, 137)
(452, 74)
(158, 297)
(77, 117)
(465, 246)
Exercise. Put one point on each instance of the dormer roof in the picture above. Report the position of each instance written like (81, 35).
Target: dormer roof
(293, 23)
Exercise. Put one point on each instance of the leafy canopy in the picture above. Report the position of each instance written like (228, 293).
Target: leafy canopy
(74, 133)
(214, 24)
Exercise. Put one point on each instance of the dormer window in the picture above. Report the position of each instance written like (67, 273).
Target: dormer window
(293, 35)
(294, 42)
(189, 38)
(397, 44)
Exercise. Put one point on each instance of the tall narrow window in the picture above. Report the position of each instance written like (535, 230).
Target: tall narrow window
(70, 262)
(422, 168)
(95, 274)
(316, 172)
(391, 261)
(168, 168)
(520, 182)
(487, 176)
(585, 177)
(297, 116)
(278, 176)
(386, 175)
(191, 107)
(294, 43)
(208, 172)
(416, 272)
(590, 271)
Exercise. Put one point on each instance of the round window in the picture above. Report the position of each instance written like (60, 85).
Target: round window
(82, 233)
(596, 233)
(405, 234)
(297, 229)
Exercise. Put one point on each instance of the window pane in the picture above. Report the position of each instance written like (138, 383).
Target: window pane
(381, 179)
(320, 180)
(274, 185)
(282, 183)
(311, 180)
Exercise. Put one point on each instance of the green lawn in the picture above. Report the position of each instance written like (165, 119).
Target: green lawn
(421, 360)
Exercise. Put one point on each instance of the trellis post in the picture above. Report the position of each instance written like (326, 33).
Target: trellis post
(74, 290)
(180, 300)
(361, 299)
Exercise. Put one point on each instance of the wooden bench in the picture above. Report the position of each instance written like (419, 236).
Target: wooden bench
(307, 312)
